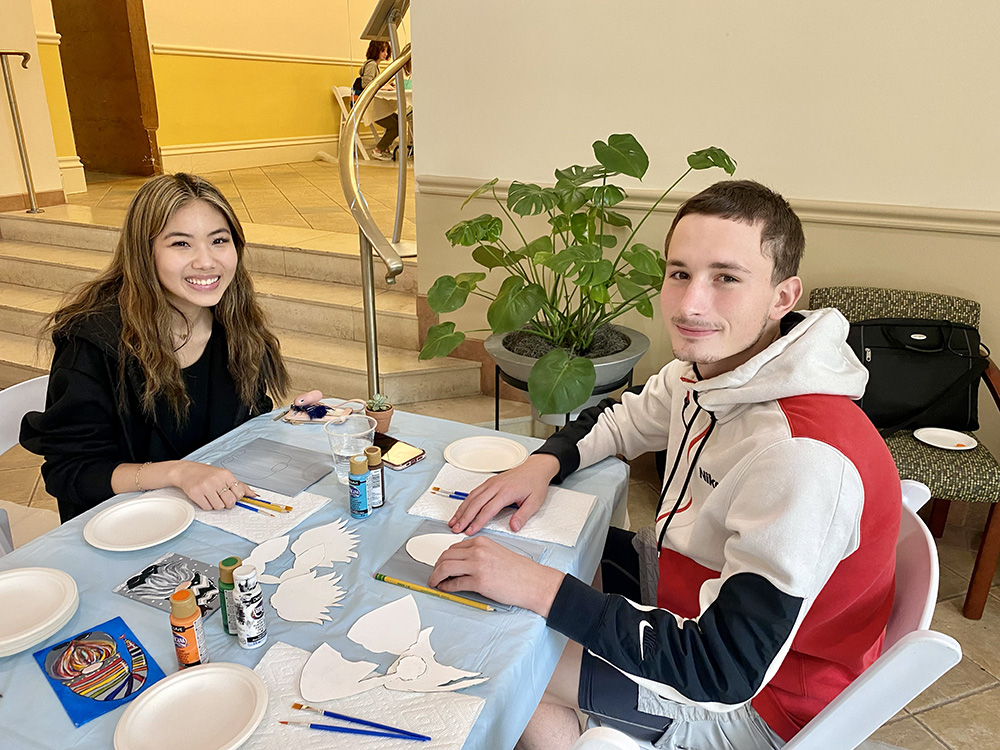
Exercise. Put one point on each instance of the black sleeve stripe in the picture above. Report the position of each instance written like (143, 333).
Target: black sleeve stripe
(722, 657)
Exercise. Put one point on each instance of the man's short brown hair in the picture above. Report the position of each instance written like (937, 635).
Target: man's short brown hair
(749, 202)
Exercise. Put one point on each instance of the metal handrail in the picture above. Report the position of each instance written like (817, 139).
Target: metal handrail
(371, 237)
(18, 130)
(349, 169)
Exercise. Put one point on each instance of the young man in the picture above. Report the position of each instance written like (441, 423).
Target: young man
(775, 536)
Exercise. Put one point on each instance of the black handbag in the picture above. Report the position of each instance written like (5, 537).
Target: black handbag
(921, 373)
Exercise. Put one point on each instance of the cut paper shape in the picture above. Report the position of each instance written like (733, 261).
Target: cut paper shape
(264, 553)
(337, 541)
(327, 675)
(434, 677)
(427, 548)
(302, 565)
(172, 572)
(392, 628)
(305, 598)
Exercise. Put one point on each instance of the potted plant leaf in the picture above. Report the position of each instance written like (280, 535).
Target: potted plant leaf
(379, 409)
(563, 288)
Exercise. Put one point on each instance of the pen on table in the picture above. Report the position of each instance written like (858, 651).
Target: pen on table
(365, 722)
(435, 592)
(266, 504)
(349, 730)
(255, 509)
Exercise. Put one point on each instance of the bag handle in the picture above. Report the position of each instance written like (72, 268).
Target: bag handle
(967, 378)
(946, 333)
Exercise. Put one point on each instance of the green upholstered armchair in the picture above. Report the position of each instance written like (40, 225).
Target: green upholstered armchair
(968, 476)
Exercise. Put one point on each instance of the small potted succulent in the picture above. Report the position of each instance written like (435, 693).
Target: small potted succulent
(379, 409)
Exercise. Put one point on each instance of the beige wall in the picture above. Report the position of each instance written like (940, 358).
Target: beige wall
(17, 32)
(876, 124)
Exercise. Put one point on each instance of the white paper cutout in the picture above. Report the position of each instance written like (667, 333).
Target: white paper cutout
(391, 628)
(434, 677)
(302, 565)
(427, 548)
(338, 542)
(327, 675)
(305, 598)
(382, 630)
(264, 553)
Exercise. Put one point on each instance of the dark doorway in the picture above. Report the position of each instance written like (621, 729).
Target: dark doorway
(109, 84)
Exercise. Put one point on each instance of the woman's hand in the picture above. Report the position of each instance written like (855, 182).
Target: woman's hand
(209, 487)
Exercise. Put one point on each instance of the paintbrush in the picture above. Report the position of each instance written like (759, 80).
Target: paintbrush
(364, 722)
(349, 730)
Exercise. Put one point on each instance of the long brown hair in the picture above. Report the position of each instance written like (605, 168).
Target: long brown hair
(131, 284)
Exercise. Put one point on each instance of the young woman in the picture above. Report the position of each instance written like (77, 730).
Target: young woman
(162, 353)
(378, 52)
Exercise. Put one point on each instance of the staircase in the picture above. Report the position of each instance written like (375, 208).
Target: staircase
(311, 294)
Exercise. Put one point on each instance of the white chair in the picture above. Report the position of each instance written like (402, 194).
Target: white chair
(344, 94)
(15, 402)
(912, 659)
(604, 738)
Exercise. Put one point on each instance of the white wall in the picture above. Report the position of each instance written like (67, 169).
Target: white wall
(17, 32)
(317, 28)
(862, 100)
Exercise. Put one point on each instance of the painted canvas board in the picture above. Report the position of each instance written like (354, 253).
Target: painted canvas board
(98, 670)
(278, 467)
(154, 584)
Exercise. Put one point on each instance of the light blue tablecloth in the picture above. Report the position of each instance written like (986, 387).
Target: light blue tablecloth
(514, 649)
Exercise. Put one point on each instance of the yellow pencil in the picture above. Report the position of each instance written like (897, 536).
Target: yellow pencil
(266, 505)
(435, 592)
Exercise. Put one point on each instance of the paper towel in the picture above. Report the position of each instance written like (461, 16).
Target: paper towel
(560, 519)
(446, 717)
(258, 527)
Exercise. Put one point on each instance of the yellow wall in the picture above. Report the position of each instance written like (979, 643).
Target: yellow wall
(203, 100)
(55, 95)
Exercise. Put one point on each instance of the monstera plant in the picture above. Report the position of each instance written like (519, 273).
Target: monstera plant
(585, 271)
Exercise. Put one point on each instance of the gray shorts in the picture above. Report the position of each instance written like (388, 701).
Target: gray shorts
(629, 568)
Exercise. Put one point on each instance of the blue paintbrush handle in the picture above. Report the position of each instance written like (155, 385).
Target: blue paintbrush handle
(396, 735)
(396, 730)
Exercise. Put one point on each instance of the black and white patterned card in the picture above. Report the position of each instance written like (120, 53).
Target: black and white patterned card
(154, 584)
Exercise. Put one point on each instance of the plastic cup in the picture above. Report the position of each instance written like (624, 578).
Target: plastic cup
(349, 438)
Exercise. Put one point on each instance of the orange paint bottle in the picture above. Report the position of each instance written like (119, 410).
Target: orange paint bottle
(189, 634)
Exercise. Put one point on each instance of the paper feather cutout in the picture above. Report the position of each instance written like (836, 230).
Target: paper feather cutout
(264, 553)
(339, 544)
(327, 675)
(305, 598)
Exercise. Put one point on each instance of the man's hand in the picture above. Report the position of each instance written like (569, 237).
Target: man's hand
(524, 486)
(481, 565)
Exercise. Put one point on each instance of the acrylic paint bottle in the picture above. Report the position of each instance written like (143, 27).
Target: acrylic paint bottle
(251, 629)
(189, 634)
(376, 477)
(357, 482)
(227, 592)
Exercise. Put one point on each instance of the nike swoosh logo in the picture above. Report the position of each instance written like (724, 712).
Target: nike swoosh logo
(641, 641)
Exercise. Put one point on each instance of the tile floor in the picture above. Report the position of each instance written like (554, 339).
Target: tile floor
(306, 195)
(960, 712)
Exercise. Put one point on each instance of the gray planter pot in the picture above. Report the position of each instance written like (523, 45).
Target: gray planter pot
(609, 369)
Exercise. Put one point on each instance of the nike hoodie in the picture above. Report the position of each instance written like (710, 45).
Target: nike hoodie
(777, 529)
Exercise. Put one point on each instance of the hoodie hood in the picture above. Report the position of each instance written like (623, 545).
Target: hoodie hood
(801, 362)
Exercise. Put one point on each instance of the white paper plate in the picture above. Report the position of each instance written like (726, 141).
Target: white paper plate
(140, 523)
(485, 453)
(208, 707)
(948, 439)
(36, 603)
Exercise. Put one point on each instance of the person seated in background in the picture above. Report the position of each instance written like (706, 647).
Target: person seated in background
(162, 353)
(765, 585)
(378, 52)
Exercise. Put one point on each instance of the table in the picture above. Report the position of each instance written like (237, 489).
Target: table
(515, 649)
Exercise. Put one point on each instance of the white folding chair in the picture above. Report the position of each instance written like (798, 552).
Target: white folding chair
(16, 401)
(342, 94)
(913, 657)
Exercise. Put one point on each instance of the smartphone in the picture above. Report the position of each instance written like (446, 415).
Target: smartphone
(396, 454)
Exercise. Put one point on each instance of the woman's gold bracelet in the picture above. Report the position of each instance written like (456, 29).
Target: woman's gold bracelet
(141, 467)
